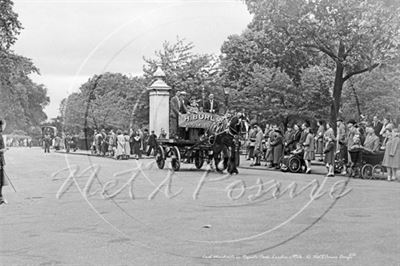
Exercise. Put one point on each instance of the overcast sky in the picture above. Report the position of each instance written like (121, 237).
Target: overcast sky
(72, 40)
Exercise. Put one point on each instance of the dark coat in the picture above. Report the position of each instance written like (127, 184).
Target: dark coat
(153, 140)
(207, 107)
(377, 128)
(329, 152)
(277, 146)
(2, 146)
(175, 107)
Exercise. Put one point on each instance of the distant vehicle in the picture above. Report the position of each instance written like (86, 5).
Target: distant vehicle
(52, 131)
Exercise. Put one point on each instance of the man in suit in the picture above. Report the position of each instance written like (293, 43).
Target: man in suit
(211, 106)
(152, 143)
(177, 106)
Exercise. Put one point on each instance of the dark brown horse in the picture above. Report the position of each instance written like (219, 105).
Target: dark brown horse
(224, 136)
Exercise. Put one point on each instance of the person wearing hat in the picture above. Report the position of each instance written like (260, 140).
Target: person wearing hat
(391, 159)
(277, 146)
(258, 145)
(177, 106)
(387, 128)
(2, 162)
(174, 114)
(193, 105)
(152, 143)
(330, 149)
(309, 148)
(351, 132)
(341, 144)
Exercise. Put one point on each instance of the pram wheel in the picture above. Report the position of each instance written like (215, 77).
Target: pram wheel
(294, 165)
(366, 171)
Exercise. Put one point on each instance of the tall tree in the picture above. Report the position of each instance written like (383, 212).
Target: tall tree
(10, 26)
(358, 36)
(184, 69)
(269, 87)
(377, 94)
(21, 100)
(110, 100)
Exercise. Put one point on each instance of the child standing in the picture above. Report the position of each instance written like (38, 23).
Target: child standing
(329, 152)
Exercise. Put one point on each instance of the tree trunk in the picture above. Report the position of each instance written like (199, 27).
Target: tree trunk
(356, 98)
(337, 93)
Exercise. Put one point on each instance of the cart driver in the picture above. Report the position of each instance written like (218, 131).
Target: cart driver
(177, 106)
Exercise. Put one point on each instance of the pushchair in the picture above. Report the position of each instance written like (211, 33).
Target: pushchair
(366, 164)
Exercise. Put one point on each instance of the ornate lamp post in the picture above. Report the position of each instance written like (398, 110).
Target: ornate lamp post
(226, 93)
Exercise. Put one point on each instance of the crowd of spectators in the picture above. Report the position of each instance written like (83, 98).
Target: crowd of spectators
(123, 144)
(272, 142)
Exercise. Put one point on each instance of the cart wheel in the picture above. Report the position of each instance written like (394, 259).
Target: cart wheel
(160, 157)
(176, 158)
(198, 159)
(378, 172)
(294, 165)
(366, 171)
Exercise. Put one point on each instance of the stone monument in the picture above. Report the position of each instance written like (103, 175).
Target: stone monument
(159, 103)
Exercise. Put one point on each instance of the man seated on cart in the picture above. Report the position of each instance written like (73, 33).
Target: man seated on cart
(211, 105)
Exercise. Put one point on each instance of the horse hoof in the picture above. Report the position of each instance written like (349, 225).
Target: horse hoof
(235, 172)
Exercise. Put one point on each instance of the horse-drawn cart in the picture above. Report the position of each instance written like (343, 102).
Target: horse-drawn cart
(203, 137)
(192, 145)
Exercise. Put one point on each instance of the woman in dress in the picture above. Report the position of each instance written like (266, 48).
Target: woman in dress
(131, 135)
(127, 144)
(308, 148)
(120, 149)
(387, 128)
(137, 145)
(319, 140)
(391, 159)
(330, 149)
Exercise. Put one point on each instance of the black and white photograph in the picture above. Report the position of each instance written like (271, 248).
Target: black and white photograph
(200, 132)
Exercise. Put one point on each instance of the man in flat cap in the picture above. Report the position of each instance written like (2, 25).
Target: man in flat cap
(177, 106)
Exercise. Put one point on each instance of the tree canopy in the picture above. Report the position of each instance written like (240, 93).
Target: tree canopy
(184, 69)
(357, 36)
(297, 58)
(21, 100)
(110, 100)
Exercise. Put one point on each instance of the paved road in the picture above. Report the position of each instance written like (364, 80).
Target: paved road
(112, 214)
